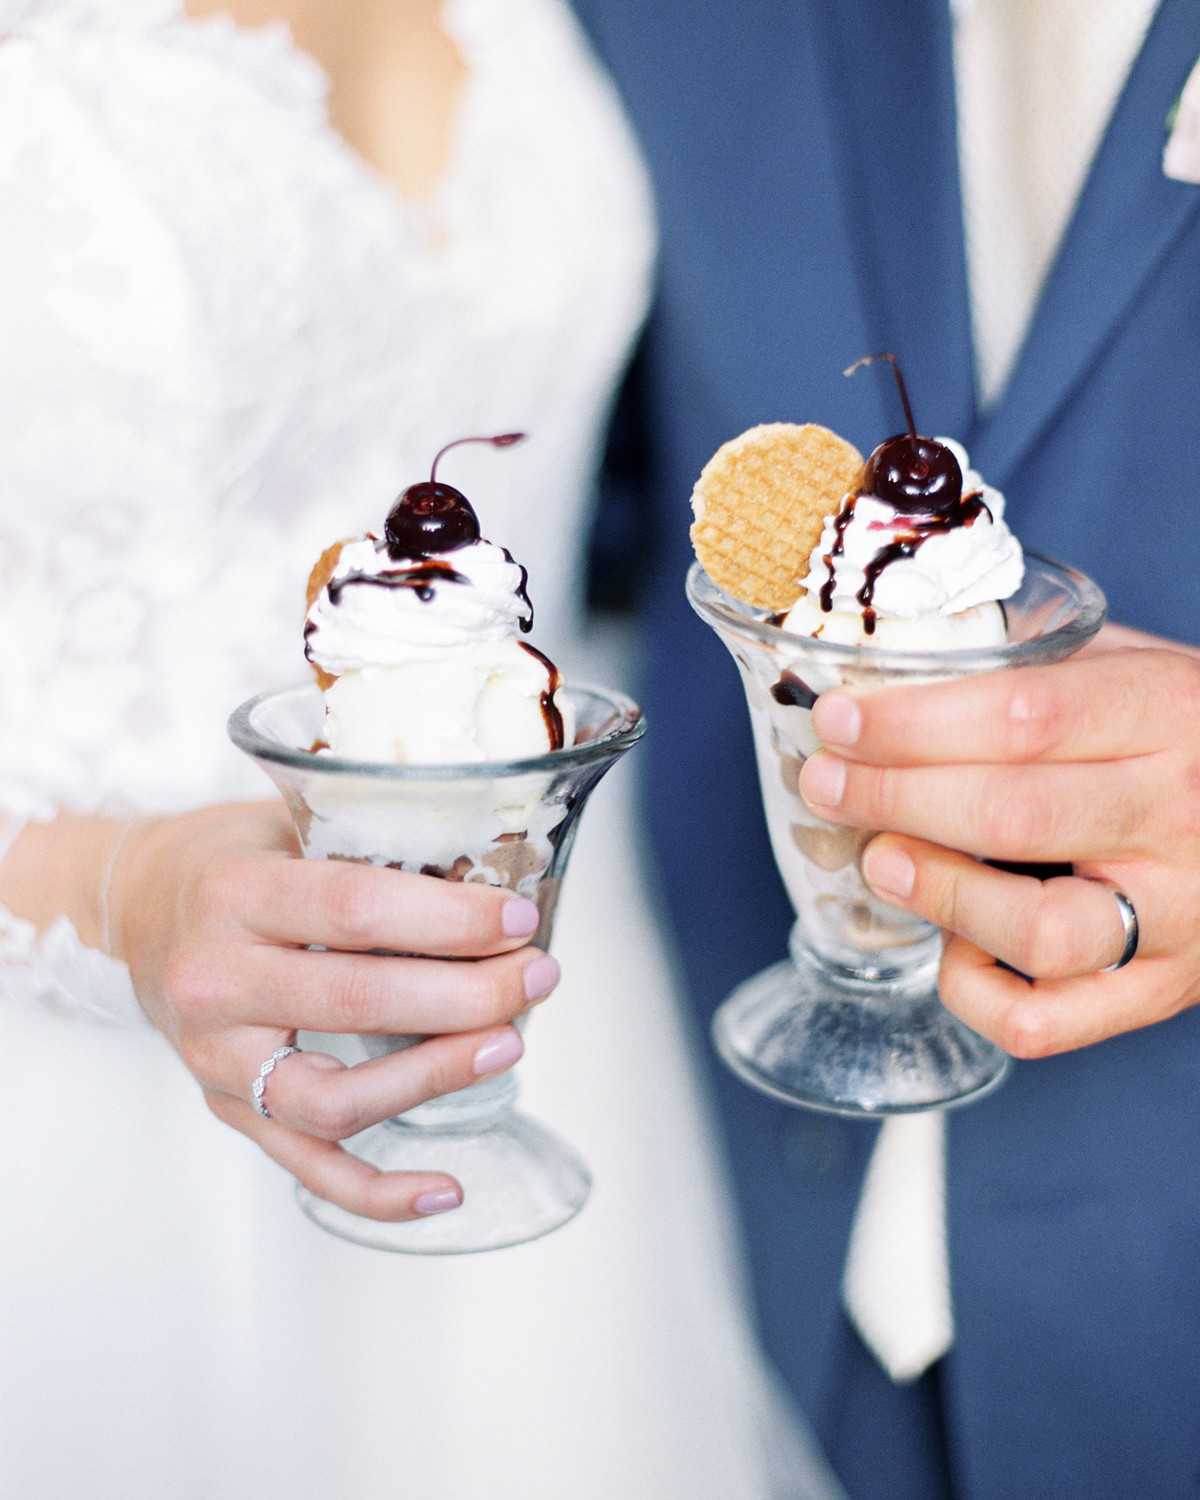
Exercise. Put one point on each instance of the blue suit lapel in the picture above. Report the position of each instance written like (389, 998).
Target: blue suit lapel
(890, 97)
(1126, 220)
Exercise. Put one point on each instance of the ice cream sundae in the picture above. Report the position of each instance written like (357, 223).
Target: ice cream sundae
(906, 552)
(437, 742)
(913, 554)
(415, 639)
(818, 570)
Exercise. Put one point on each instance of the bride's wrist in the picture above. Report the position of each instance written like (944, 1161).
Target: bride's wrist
(131, 843)
(64, 867)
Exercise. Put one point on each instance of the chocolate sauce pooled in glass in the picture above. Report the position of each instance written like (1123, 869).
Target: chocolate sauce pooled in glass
(792, 692)
(916, 476)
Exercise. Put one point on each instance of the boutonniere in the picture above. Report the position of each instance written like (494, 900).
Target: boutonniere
(1181, 155)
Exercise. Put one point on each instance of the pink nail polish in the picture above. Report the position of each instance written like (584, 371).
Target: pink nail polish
(499, 1051)
(541, 976)
(439, 1202)
(837, 720)
(519, 917)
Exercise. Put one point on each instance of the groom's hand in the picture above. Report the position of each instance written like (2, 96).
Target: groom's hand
(1095, 763)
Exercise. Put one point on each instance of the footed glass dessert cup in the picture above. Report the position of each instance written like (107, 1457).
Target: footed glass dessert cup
(508, 824)
(851, 1021)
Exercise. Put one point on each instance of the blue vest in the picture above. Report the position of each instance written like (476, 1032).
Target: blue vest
(805, 164)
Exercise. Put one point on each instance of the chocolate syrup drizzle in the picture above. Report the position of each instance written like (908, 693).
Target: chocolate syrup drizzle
(522, 593)
(962, 512)
(920, 479)
(841, 522)
(553, 720)
(423, 577)
(420, 579)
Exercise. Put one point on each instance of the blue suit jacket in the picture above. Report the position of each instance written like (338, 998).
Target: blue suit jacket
(805, 164)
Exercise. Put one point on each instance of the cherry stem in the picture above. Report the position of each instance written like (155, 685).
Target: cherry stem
(503, 440)
(869, 359)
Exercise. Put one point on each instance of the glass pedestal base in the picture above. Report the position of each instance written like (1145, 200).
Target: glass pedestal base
(810, 1037)
(519, 1182)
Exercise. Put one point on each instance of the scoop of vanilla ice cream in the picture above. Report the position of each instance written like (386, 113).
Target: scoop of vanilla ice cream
(426, 659)
(967, 630)
(484, 703)
(943, 597)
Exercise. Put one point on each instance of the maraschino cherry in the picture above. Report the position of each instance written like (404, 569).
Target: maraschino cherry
(432, 517)
(914, 474)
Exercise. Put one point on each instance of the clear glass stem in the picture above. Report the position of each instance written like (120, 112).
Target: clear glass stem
(478, 1106)
(892, 965)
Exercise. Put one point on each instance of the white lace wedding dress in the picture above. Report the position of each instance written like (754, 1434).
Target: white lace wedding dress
(223, 343)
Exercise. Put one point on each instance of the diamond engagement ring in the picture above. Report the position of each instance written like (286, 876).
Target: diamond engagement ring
(1129, 922)
(260, 1083)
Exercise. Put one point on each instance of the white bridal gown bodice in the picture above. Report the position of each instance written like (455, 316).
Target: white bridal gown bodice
(224, 342)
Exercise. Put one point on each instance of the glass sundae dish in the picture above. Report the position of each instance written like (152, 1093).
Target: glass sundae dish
(414, 638)
(902, 564)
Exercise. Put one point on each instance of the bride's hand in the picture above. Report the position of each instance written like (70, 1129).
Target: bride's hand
(1095, 763)
(215, 913)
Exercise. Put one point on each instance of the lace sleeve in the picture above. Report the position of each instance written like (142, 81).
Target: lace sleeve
(134, 607)
(60, 973)
(56, 969)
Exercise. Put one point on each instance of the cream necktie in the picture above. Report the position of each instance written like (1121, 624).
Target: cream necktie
(896, 1287)
(1036, 82)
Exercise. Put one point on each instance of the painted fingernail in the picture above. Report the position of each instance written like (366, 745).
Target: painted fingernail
(519, 917)
(823, 780)
(499, 1051)
(890, 871)
(541, 976)
(837, 720)
(439, 1202)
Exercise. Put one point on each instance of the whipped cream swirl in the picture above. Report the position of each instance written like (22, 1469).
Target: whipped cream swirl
(947, 572)
(376, 612)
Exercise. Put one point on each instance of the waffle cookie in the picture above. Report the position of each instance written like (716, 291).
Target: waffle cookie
(321, 574)
(760, 504)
